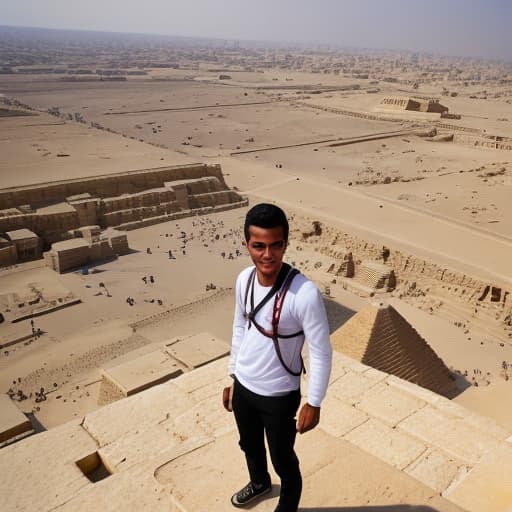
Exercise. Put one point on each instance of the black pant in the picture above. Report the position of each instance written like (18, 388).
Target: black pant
(274, 415)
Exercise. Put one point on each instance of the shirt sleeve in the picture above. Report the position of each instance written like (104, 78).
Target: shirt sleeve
(239, 322)
(311, 311)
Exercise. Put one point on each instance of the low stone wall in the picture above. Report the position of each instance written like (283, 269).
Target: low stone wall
(493, 142)
(8, 256)
(41, 224)
(212, 199)
(452, 295)
(182, 214)
(107, 185)
(137, 214)
(141, 199)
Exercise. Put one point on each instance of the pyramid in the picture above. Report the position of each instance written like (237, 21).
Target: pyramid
(379, 336)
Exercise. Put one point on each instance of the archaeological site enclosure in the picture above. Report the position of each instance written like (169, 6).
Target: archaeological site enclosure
(35, 217)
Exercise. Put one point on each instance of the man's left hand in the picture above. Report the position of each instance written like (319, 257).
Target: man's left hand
(309, 417)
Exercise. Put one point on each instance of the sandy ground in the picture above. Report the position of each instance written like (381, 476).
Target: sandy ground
(446, 202)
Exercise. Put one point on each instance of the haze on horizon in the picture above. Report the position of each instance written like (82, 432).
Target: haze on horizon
(467, 28)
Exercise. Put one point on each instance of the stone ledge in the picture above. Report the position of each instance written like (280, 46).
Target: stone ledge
(453, 436)
(385, 443)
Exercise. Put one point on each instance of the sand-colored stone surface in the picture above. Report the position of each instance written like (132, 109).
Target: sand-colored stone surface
(198, 350)
(13, 423)
(157, 438)
(483, 488)
(135, 375)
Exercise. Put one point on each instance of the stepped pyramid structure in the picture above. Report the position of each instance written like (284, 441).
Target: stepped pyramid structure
(375, 276)
(379, 336)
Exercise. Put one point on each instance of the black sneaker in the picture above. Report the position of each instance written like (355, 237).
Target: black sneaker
(248, 493)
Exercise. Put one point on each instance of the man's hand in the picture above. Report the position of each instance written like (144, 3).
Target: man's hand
(227, 398)
(309, 417)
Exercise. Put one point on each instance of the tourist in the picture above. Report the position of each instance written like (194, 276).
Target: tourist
(266, 367)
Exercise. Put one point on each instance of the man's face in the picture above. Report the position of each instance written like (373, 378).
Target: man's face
(266, 248)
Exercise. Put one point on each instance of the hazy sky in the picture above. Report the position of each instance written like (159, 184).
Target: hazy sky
(480, 28)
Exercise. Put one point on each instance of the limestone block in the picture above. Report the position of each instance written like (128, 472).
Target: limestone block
(351, 364)
(351, 386)
(207, 418)
(482, 423)
(388, 404)
(489, 484)
(204, 377)
(133, 413)
(46, 462)
(8, 255)
(374, 374)
(436, 470)
(12, 421)
(352, 480)
(450, 434)
(117, 493)
(389, 445)
(198, 350)
(203, 479)
(338, 418)
(413, 389)
(136, 447)
(142, 372)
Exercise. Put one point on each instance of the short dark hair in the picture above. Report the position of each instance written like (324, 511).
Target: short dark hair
(265, 215)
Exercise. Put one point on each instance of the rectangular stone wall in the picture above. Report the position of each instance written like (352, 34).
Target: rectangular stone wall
(87, 211)
(14, 222)
(71, 258)
(147, 198)
(99, 251)
(29, 248)
(119, 245)
(8, 255)
(107, 185)
(41, 224)
(213, 199)
(204, 186)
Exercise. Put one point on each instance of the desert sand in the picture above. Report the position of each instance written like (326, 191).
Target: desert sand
(314, 143)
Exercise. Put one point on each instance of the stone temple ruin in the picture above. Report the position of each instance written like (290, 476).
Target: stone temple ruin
(34, 217)
(413, 104)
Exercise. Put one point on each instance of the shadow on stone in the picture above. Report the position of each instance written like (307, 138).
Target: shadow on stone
(337, 314)
(36, 424)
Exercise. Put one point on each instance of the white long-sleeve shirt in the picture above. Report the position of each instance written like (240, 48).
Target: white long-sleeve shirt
(254, 361)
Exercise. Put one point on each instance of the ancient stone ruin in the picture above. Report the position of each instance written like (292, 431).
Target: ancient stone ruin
(373, 277)
(413, 104)
(34, 217)
(381, 337)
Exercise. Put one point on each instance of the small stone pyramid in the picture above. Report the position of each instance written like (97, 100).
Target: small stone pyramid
(379, 336)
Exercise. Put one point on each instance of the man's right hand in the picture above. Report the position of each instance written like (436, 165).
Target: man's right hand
(227, 398)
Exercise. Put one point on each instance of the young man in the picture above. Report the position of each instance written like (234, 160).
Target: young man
(277, 308)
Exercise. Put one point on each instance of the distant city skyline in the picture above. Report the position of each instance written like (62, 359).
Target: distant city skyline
(465, 28)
